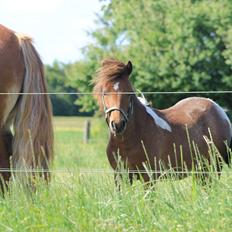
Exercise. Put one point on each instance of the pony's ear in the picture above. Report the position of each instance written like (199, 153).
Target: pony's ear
(129, 67)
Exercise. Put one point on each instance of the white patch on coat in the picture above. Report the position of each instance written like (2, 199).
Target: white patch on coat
(158, 120)
(143, 101)
(116, 86)
(10, 101)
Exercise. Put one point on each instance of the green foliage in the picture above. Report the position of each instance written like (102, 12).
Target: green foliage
(56, 78)
(79, 76)
(174, 46)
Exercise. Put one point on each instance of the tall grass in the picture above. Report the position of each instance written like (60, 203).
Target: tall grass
(77, 201)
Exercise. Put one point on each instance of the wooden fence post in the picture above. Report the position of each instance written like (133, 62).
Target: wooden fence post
(87, 131)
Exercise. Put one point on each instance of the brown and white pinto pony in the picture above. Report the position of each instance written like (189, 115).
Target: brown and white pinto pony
(140, 133)
(21, 72)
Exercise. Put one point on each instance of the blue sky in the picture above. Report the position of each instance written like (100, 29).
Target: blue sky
(57, 26)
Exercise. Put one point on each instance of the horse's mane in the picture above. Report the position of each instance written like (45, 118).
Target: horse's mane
(110, 70)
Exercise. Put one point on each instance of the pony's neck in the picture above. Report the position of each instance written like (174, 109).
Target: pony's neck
(138, 119)
(142, 118)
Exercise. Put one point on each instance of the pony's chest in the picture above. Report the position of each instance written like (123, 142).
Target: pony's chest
(132, 154)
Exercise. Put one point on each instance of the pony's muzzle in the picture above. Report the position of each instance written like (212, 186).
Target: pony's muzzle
(119, 127)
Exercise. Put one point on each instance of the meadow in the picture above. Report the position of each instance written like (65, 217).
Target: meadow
(80, 200)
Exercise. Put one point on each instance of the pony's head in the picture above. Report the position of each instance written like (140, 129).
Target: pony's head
(114, 94)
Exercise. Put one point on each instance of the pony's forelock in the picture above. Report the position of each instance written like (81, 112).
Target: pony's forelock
(109, 71)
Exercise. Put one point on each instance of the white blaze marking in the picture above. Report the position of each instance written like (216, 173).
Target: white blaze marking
(158, 120)
(116, 86)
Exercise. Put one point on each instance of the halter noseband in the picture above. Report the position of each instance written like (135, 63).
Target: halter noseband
(125, 115)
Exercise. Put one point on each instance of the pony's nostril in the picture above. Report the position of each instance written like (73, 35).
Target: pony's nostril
(113, 125)
(121, 125)
(118, 127)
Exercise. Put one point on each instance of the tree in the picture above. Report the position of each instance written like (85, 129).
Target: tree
(56, 77)
(174, 46)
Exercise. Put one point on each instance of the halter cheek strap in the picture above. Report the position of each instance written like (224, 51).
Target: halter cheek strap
(114, 108)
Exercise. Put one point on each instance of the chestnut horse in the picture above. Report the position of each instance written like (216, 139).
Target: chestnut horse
(30, 115)
(141, 134)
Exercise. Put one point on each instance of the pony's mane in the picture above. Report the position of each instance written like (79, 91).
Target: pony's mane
(110, 70)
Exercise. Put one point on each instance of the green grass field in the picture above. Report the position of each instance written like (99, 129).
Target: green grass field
(83, 201)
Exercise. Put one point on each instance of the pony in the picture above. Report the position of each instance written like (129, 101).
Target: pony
(141, 135)
(24, 106)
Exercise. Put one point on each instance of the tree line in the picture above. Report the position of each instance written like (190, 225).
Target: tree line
(174, 45)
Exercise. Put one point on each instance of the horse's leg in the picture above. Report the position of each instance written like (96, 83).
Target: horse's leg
(148, 181)
(208, 175)
(8, 138)
(117, 180)
(131, 175)
(205, 175)
(5, 153)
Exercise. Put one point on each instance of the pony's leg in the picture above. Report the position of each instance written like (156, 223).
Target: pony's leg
(117, 180)
(131, 176)
(8, 139)
(5, 153)
(149, 182)
(206, 178)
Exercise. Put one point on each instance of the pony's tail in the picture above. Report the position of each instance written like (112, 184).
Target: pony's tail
(33, 139)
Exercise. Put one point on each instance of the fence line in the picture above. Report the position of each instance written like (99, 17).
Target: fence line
(107, 171)
(125, 93)
(104, 171)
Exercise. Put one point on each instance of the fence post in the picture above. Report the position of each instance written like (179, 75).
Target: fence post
(87, 131)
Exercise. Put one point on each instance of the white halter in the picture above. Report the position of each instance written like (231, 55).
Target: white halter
(114, 108)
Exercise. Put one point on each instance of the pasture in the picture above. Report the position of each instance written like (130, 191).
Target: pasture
(81, 200)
